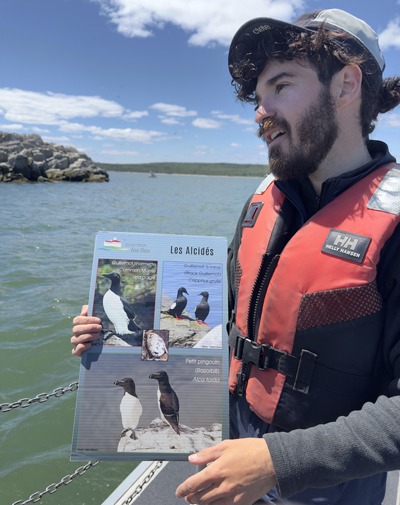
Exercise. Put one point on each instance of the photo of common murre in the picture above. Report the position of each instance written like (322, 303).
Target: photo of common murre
(117, 308)
(124, 299)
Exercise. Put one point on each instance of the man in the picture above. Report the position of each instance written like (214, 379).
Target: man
(315, 325)
(305, 282)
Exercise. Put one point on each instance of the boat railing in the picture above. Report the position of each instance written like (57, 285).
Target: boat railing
(142, 476)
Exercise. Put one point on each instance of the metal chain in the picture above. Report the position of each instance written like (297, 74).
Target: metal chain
(136, 492)
(52, 488)
(40, 398)
(67, 479)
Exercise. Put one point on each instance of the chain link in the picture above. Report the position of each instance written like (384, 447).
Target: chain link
(40, 398)
(52, 488)
(136, 492)
(67, 479)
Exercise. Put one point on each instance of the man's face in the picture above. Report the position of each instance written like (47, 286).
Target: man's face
(297, 116)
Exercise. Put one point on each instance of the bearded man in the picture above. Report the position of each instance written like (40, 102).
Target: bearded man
(314, 275)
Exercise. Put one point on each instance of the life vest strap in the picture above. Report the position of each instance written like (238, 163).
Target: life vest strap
(265, 357)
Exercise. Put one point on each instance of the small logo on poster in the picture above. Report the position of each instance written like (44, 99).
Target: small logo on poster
(113, 244)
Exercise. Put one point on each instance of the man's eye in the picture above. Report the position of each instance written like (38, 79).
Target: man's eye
(279, 87)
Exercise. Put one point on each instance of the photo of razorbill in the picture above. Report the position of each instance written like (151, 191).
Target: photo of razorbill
(168, 402)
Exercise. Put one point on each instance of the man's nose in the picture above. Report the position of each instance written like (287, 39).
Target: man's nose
(262, 113)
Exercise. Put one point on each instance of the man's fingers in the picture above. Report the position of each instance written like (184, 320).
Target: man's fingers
(86, 320)
(83, 317)
(84, 337)
(207, 495)
(86, 328)
(207, 455)
(198, 482)
(79, 349)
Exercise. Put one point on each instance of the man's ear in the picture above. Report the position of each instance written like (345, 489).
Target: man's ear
(346, 84)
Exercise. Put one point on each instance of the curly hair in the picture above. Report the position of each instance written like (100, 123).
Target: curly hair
(326, 51)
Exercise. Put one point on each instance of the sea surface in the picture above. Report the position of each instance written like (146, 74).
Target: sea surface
(46, 246)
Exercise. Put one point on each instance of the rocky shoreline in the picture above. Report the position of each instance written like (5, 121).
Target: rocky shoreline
(27, 158)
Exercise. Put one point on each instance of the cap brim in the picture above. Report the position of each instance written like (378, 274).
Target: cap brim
(249, 35)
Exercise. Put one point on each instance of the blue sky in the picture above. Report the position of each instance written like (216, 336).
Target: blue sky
(137, 81)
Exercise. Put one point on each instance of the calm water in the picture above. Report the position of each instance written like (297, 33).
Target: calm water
(47, 236)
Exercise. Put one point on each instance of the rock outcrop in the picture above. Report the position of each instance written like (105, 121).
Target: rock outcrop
(159, 437)
(27, 158)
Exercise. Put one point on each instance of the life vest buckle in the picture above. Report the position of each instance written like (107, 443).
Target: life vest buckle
(248, 351)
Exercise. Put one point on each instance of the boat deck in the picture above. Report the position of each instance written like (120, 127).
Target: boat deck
(166, 476)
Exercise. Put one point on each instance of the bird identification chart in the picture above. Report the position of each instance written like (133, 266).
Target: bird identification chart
(154, 387)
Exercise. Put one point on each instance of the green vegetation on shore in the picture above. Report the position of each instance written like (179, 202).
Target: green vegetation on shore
(235, 169)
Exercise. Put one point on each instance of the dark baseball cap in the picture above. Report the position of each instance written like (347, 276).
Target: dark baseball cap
(362, 36)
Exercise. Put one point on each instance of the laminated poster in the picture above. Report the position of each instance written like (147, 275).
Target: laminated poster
(155, 386)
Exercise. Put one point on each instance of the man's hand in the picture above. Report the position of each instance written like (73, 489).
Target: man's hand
(241, 472)
(86, 330)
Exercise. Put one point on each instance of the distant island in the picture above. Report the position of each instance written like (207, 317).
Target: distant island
(182, 168)
(27, 158)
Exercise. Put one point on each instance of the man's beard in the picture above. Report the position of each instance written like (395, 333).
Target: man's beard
(317, 131)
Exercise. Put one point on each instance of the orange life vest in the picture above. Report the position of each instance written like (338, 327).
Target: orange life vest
(306, 343)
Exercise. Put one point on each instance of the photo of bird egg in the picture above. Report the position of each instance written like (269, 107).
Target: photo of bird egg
(155, 345)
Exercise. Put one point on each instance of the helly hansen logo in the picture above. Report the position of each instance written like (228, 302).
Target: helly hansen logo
(346, 245)
(346, 241)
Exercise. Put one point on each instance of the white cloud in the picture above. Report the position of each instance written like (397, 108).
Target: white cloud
(172, 114)
(50, 108)
(56, 139)
(202, 150)
(134, 115)
(15, 127)
(12, 127)
(125, 134)
(39, 131)
(115, 152)
(391, 119)
(170, 121)
(33, 108)
(232, 118)
(206, 123)
(390, 37)
(206, 21)
(169, 109)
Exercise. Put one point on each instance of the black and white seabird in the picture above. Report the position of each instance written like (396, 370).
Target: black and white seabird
(203, 308)
(168, 402)
(179, 304)
(130, 407)
(117, 308)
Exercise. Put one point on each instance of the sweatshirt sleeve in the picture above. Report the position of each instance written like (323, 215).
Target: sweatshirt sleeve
(365, 442)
